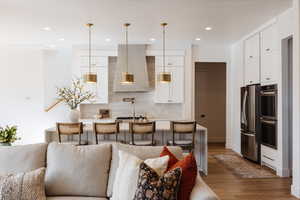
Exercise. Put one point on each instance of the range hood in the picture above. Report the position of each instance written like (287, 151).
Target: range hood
(136, 65)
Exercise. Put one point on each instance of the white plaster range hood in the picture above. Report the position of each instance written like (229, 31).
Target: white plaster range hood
(136, 65)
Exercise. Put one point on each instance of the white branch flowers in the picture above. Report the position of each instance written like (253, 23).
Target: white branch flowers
(75, 94)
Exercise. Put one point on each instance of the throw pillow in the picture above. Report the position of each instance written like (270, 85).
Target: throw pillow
(189, 172)
(23, 186)
(151, 186)
(127, 174)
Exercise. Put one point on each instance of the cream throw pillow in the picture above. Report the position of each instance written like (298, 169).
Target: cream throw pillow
(23, 186)
(127, 174)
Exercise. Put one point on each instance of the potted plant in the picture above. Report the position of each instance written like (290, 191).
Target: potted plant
(73, 96)
(8, 135)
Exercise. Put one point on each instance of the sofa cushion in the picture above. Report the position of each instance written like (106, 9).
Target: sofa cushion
(24, 158)
(29, 185)
(77, 170)
(75, 198)
(142, 152)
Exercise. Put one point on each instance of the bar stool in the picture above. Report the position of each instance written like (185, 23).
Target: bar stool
(70, 129)
(111, 128)
(183, 128)
(142, 128)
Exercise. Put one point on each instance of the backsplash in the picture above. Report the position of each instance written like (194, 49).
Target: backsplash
(144, 100)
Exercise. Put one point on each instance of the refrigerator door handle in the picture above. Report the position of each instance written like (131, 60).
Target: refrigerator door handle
(244, 118)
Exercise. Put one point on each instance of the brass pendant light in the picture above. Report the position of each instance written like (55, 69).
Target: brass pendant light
(127, 78)
(90, 77)
(164, 77)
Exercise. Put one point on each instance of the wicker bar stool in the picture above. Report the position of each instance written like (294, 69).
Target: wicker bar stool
(112, 128)
(70, 129)
(183, 128)
(142, 128)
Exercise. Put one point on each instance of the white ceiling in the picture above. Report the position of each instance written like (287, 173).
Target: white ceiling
(22, 20)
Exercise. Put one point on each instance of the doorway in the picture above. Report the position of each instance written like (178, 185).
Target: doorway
(287, 103)
(210, 99)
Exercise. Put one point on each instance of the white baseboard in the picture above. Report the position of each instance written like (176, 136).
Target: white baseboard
(295, 191)
(284, 172)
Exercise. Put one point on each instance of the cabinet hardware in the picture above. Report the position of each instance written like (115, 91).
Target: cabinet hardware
(268, 49)
(250, 56)
(268, 78)
(169, 63)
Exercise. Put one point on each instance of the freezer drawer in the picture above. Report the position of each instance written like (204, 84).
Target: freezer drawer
(249, 146)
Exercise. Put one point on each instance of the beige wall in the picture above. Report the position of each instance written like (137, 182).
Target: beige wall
(210, 99)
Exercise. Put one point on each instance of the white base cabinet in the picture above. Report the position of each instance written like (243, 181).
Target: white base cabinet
(269, 157)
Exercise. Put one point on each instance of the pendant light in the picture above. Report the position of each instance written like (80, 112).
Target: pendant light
(90, 77)
(164, 77)
(127, 78)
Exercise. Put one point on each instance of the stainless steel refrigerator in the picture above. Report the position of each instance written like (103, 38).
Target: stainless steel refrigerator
(250, 129)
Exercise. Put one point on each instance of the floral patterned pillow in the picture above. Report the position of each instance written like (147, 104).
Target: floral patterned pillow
(153, 187)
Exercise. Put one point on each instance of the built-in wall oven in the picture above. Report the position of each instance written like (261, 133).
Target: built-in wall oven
(268, 115)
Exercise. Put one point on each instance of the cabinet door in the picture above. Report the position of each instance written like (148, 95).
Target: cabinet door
(252, 59)
(100, 89)
(162, 90)
(170, 92)
(177, 85)
(269, 52)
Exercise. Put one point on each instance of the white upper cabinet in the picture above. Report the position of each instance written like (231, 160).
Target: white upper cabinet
(269, 55)
(172, 92)
(100, 67)
(252, 60)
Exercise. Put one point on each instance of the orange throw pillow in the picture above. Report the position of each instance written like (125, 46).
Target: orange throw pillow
(189, 172)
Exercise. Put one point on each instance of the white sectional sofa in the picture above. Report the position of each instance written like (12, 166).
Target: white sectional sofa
(82, 173)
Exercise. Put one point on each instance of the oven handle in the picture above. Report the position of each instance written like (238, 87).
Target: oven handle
(267, 121)
(268, 93)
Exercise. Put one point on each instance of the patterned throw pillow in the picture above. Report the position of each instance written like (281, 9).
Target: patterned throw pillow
(153, 187)
(23, 186)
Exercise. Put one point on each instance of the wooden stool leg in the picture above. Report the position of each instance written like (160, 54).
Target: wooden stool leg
(96, 136)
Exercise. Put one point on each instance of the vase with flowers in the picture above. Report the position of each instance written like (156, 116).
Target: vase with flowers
(73, 96)
(8, 135)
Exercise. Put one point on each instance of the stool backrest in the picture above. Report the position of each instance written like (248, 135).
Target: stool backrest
(69, 128)
(142, 127)
(106, 128)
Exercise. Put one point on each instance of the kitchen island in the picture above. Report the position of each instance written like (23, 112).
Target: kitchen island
(162, 135)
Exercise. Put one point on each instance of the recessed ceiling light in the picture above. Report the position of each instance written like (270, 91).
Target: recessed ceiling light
(152, 39)
(208, 28)
(107, 39)
(198, 39)
(47, 28)
(61, 39)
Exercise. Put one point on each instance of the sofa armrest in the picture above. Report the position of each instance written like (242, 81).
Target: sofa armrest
(201, 191)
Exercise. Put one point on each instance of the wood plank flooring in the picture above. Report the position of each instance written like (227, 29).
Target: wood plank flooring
(230, 187)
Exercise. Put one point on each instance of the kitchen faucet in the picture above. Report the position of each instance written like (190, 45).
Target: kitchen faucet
(132, 101)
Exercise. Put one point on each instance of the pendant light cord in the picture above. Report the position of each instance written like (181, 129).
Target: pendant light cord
(127, 48)
(164, 47)
(90, 49)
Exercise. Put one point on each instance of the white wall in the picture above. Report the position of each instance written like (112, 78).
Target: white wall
(237, 80)
(28, 77)
(57, 73)
(22, 91)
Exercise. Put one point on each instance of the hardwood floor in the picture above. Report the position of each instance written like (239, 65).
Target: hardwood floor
(230, 187)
